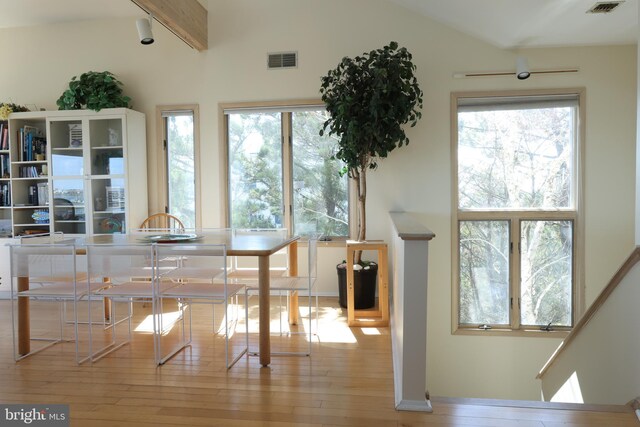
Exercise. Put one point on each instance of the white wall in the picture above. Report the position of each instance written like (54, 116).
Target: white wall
(599, 366)
(37, 64)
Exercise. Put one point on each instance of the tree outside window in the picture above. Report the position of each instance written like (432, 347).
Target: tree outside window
(179, 141)
(517, 211)
(283, 174)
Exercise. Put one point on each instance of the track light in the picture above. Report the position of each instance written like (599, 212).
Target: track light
(144, 30)
(522, 68)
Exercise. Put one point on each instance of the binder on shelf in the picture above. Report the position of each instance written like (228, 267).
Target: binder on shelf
(43, 193)
(5, 194)
(33, 195)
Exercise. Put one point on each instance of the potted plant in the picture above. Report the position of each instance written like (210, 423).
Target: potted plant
(93, 90)
(369, 98)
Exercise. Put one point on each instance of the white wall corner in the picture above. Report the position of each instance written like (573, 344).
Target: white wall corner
(637, 213)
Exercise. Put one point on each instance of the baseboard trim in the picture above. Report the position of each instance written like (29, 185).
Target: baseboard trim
(534, 404)
(414, 405)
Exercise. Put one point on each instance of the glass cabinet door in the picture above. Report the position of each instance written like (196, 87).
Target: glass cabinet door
(107, 175)
(67, 176)
(108, 205)
(69, 206)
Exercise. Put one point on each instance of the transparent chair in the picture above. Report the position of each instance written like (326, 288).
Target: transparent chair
(125, 270)
(282, 285)
(44, 269)
(199, 276)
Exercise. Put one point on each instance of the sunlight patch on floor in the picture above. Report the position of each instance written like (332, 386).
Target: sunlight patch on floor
(168, 322)
(570, 391)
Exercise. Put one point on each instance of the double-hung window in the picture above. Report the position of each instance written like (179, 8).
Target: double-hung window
(281, 172)
(517, 216)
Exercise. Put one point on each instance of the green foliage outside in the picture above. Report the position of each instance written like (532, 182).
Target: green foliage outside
(320, 194)
(255, 170)
(181, 158)
(320, 199)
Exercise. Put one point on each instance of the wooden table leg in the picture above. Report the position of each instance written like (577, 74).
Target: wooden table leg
(24, 328)
(293, 271)
(107, 303)
(107, 309)
(264, 291)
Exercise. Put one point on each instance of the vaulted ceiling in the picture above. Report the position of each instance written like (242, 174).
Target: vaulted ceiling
(503, 23)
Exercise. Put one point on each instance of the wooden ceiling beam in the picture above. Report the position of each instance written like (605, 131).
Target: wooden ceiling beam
(187, 19)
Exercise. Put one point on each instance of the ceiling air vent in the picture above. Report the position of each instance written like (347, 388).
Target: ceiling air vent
(604, 7)
(282, 60)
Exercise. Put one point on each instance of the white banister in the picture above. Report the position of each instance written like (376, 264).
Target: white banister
(409, 261)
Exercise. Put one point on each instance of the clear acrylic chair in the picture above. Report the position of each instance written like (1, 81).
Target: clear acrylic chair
(285, 285)
(44, 269)
(199, 276)
(125, 270)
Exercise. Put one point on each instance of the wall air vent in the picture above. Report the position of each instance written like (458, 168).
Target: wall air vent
(282, 60)
(604, 7)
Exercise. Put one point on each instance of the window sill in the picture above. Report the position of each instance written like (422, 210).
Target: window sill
(562, 333)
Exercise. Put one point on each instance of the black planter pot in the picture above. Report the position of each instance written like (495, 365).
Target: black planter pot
(364, 287)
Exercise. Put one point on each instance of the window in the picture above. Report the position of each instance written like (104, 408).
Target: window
(281, 173)
(517, 210)
(179, 143)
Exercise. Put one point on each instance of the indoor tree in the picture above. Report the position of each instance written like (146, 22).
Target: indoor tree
(369, 98)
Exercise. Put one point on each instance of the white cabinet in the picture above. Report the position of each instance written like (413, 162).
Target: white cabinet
(76, 172)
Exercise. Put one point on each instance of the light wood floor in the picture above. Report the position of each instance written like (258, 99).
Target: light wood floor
(346, 382)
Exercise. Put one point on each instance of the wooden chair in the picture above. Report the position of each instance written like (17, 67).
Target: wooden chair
(163, 221)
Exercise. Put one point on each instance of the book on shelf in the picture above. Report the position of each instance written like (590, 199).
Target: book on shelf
(5, 171)
(31, 143)
(28, 172)
(5, 138)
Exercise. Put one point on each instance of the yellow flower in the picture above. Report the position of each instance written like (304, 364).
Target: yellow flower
(5, 110)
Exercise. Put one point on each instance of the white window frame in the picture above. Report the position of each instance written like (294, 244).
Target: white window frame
(287, 162)
(514, 217)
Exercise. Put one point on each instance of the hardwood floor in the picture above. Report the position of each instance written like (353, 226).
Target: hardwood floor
(347, 381)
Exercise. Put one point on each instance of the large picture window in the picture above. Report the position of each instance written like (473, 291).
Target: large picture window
(281, 173)
(517, 210)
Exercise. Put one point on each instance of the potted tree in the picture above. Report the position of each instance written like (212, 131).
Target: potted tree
(369, 98)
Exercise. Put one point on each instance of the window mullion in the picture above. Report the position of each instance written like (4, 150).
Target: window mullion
(287, 170)
(516, 277)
